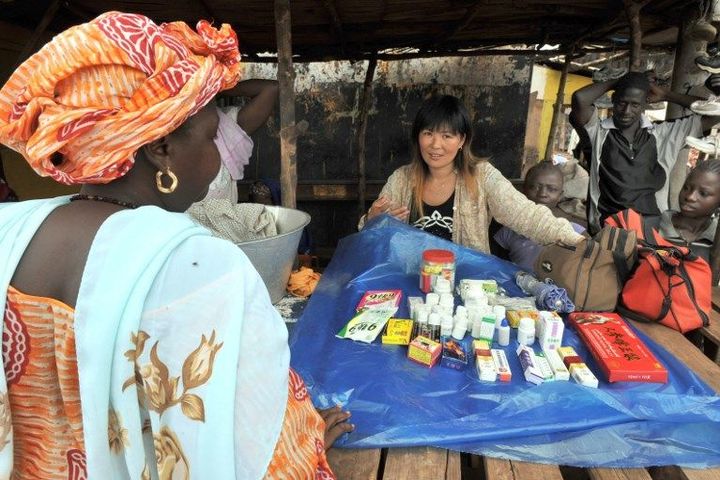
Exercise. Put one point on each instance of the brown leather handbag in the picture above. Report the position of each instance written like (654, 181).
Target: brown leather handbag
(594, 271)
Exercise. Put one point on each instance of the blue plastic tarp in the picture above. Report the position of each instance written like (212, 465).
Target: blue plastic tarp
(398, 403)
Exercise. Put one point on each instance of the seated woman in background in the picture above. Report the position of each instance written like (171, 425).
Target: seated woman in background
(136, 344)
(694, 225)
(448, 192)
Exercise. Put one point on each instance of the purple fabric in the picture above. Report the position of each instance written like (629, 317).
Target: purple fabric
(522, 250)
(234, 145)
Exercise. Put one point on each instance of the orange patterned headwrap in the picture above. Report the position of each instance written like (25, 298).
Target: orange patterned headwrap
(99, 91)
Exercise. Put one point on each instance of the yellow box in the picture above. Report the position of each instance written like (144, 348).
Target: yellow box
(397, 331)
(514, 316)
(481, 347)
(566, 352)
(424, 351)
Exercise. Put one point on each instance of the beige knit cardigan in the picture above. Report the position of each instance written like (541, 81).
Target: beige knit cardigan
(497, 198)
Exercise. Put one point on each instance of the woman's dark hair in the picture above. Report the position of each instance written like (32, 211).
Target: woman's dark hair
(436, 113)
(707, 166)
(445, 112)
(632, 80)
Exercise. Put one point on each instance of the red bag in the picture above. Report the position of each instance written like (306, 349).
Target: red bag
(670, 285)
(646, 229)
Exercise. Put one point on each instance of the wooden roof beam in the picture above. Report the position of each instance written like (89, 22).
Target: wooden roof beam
(632, 10)
(321, 55)
(467, 19)
(208, 11)
(336, 22)
(31, 45)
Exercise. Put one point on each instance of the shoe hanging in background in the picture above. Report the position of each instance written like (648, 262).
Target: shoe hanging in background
(609, 72)
(654, 79)
(604, 102)
(703, 30)
(656, 106)
(709, 61)
(710, 107)
(707, 144)
(715, 13)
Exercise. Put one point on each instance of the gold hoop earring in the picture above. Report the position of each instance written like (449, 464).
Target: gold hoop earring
(159, 184)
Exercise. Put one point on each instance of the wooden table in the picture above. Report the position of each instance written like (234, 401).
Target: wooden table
(432, 463)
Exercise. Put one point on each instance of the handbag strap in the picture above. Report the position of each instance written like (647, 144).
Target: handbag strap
(619, 258)
(623, 310)
(682, 271)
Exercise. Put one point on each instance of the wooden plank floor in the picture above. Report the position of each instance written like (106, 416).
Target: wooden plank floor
(498, 469)
(355, 464)
(619, 474)
(422, 463)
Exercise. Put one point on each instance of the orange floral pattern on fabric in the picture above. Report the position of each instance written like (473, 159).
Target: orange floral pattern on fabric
(80, 108)
(300, 452)
(44, 409)
(44, 397)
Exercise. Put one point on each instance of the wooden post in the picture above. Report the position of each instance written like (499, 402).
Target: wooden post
(557, 111)
(39, 30)
(632, 10)
(365, 103)
(685, 73)
(286, 80)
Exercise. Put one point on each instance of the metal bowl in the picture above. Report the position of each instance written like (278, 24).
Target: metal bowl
(273, 257)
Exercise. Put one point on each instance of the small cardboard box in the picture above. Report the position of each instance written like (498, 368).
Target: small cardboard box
(528, 362)
(485, 367)
(481, 347)
(397, 331)
(502, 367)
(582, 375)
(556, 364)
(454, 353)
(551, 331)
(569, 356)
(487, 329)
(514, 316)
(424, 351)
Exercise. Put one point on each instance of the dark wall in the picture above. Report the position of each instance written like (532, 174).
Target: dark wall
(495, 91)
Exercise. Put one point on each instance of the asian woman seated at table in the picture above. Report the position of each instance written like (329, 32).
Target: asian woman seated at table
(447, 191)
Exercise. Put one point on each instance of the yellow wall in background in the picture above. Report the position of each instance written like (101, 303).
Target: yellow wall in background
(549, 94)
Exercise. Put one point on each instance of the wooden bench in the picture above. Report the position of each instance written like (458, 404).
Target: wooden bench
(712, 331)
(432, 463)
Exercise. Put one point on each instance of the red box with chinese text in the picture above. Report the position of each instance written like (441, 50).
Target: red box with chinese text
(621, 355)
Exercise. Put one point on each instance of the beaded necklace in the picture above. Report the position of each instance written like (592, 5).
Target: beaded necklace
(100, 198)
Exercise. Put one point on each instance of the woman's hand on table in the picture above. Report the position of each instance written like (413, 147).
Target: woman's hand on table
(336, 424)
(385, 205)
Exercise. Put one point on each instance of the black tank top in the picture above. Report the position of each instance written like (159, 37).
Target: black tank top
(437, 219)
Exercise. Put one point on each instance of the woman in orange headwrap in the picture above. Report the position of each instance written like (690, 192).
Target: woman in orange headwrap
(135, 345)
